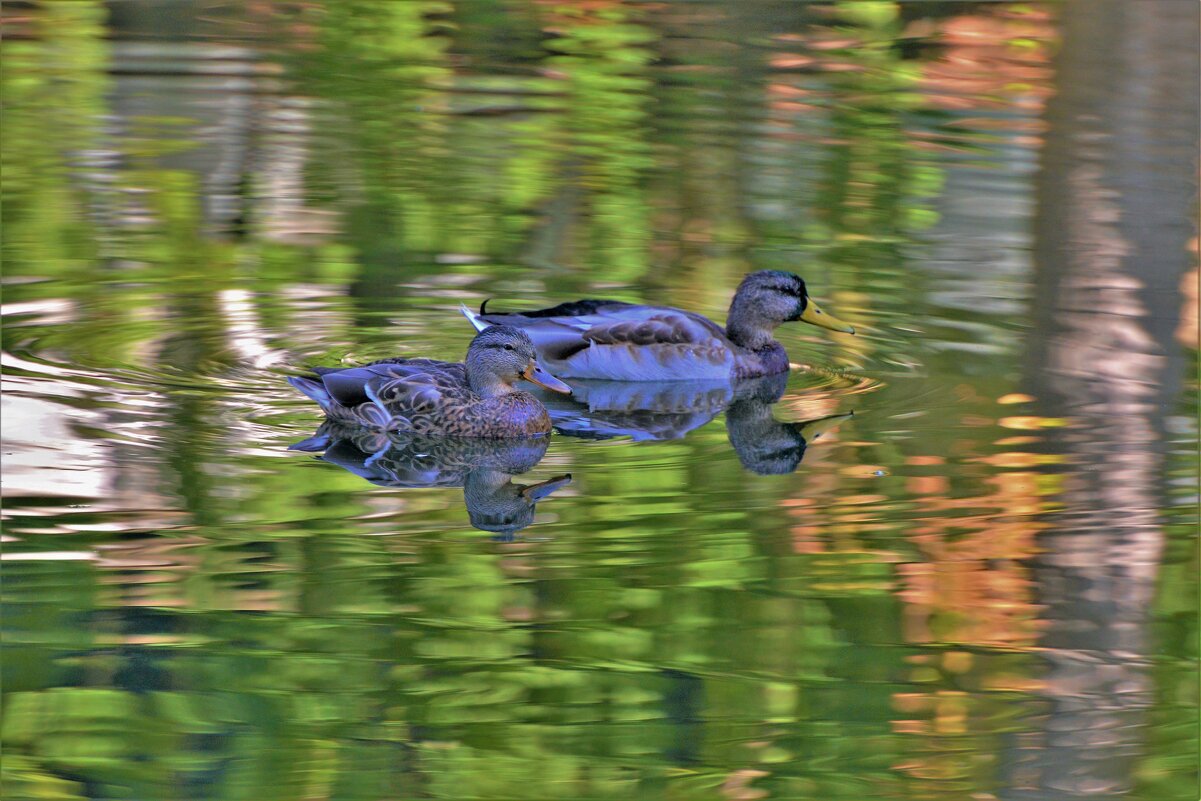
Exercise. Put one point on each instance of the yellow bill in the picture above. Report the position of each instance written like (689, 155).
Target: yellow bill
(815, 428)
(814, 314)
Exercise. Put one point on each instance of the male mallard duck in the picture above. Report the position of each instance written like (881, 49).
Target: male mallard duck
(629, 342)
(423, 396)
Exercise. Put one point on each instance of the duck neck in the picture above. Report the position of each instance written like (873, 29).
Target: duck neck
(480, 485)
(747, 327)
(750, 418)
(494, 503)
(486, 383)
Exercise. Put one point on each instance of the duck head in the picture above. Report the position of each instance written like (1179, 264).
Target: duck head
(765, 445)
(500, 356)
(496, 504)
(769, 297)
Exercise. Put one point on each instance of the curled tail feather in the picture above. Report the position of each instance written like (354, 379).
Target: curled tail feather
(474, 318)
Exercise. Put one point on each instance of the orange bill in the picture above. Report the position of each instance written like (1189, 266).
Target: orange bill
(536, 492)
(536, 375)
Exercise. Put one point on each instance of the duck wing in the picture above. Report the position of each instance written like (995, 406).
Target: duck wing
(623, 341)
(350, 386)
(405, 394)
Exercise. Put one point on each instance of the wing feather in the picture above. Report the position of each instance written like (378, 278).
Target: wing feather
(611, 339)
(402, 394)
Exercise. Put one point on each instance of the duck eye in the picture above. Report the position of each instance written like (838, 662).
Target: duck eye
(508, 347)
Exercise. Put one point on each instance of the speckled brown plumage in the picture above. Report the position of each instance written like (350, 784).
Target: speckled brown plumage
(427, 397)
(422, 396)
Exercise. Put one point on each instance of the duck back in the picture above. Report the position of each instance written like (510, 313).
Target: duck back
(420, 396)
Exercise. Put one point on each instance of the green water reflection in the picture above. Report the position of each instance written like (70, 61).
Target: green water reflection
(983, 584)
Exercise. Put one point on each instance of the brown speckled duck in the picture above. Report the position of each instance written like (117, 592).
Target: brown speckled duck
(629, 342)
(477, 398)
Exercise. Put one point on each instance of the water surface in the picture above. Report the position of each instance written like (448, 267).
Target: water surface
(983, 584)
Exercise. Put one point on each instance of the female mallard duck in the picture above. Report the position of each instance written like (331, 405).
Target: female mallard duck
(423, 396)
(628, 342)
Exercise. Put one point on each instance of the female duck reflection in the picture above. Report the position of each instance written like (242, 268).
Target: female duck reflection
(425, 423)
(484, 468)
(669, 410)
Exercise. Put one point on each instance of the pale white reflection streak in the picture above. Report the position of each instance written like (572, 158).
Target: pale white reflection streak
(49, 556)
(247, 337)
(42, 453)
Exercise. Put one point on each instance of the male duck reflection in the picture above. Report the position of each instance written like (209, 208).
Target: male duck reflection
(669, 410)
(484, 468)
(423, 396)
(765, 445)
(629, 342)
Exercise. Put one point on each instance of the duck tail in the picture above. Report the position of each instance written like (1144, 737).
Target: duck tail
(476, 321)
(313, 388)
(314, 444)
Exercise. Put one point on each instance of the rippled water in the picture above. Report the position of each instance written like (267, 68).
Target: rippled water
(954, 556)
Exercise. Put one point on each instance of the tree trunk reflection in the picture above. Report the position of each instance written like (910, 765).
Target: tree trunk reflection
(1117, 170)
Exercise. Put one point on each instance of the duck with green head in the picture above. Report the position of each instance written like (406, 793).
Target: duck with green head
(631, 342)
(476, 398)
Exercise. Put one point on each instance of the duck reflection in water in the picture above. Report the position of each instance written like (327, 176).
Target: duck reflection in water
(671, 409)
(483, 468)
(765, 445)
